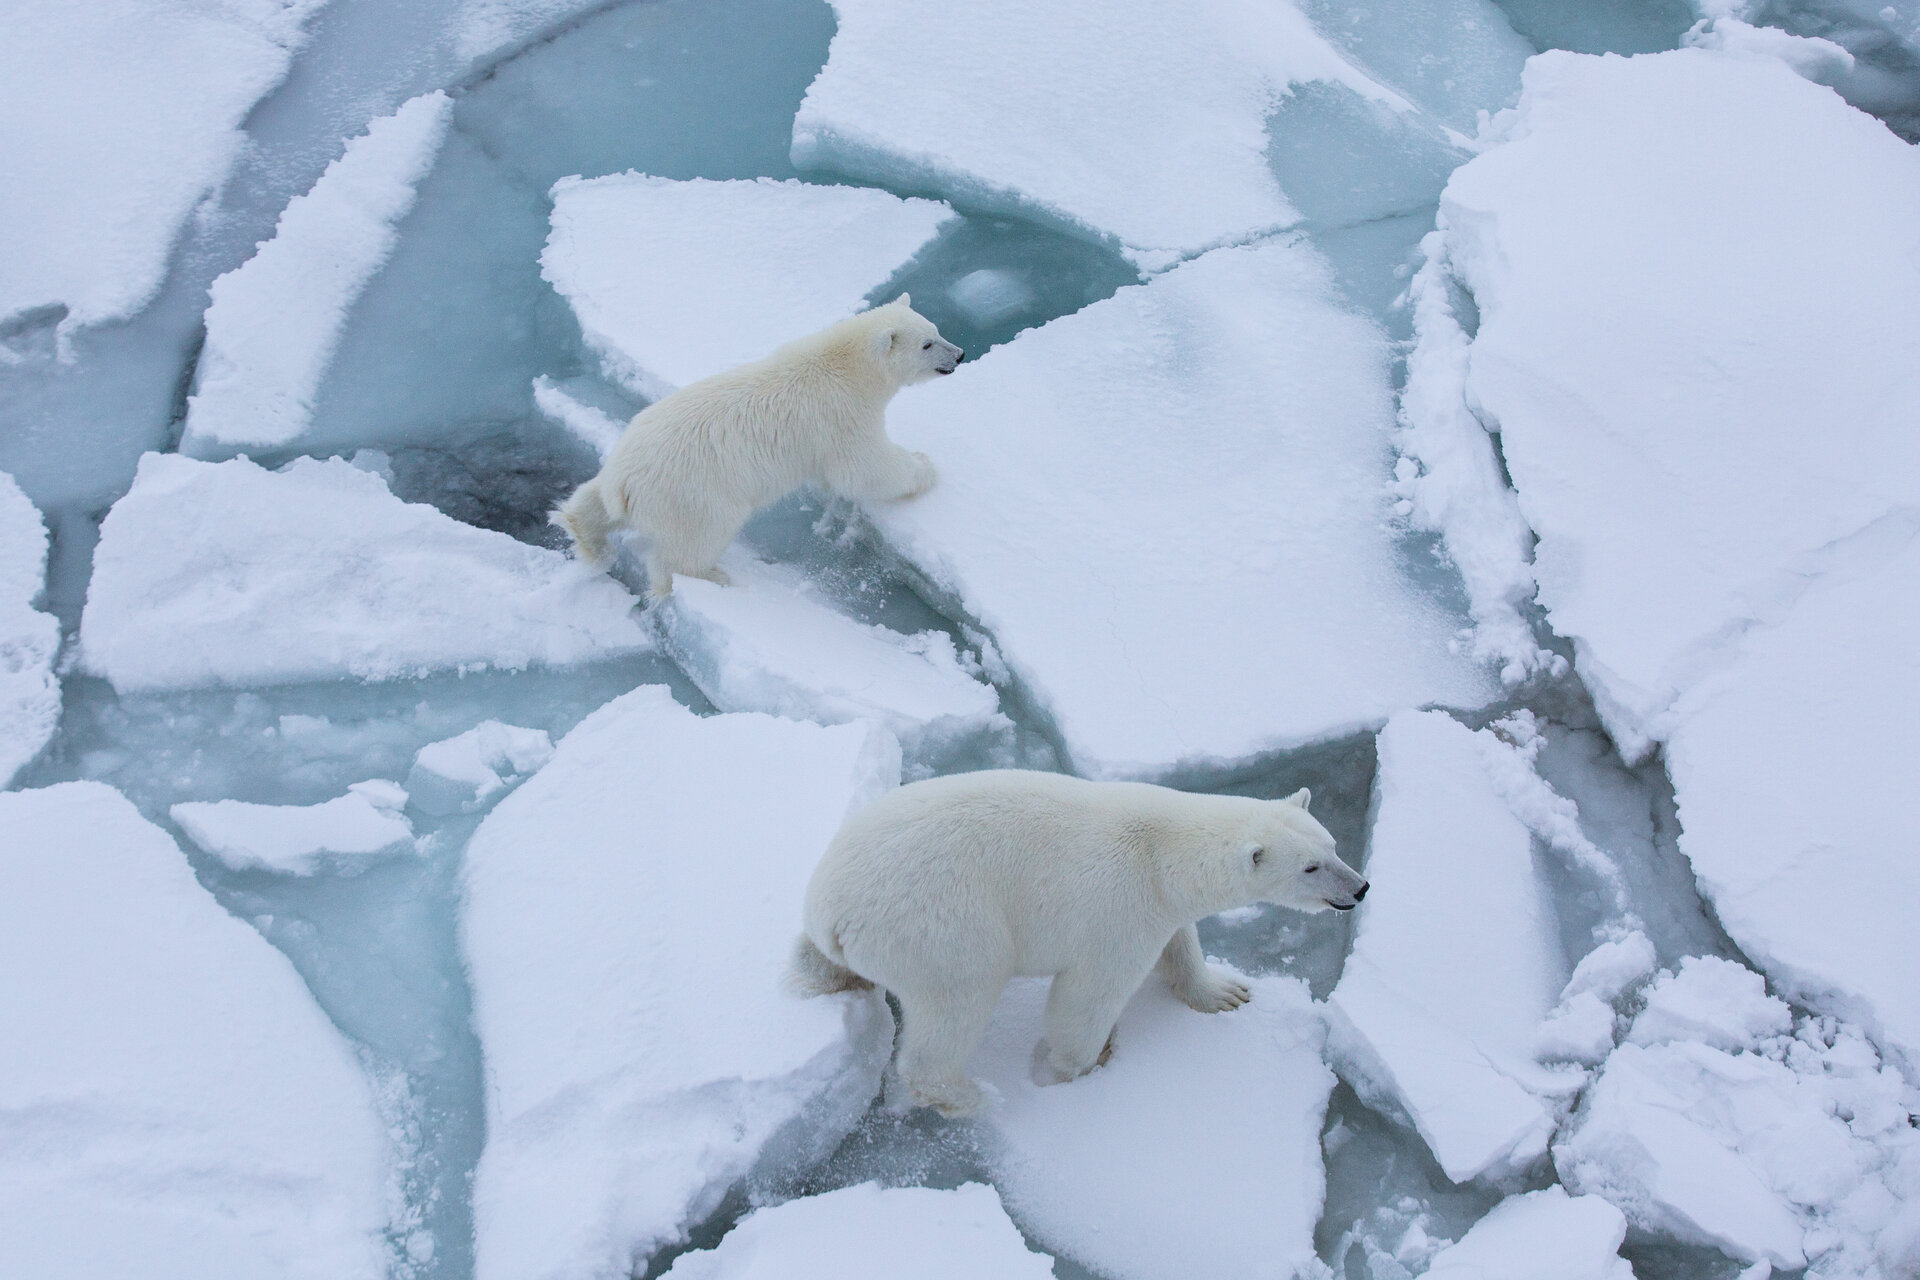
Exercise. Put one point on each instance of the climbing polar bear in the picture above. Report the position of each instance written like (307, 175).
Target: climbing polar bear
(692, 467)
(943, 890)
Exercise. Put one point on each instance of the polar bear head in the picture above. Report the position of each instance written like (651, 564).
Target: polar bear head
(1284, 855)
(907, 344)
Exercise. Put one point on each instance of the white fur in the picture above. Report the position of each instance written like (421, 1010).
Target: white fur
(691, 468)
(942, 891)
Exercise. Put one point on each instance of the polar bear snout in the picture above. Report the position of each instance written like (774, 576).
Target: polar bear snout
(1352, 899)
(949, 355)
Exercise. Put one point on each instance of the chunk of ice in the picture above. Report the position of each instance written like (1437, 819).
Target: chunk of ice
(225, 573)
(301, 839)
(472, 770)
(29, 639)
(1712, 1001)
(276, 320)
(1197, 1118)
(1581, 1027)
(171, 1097)
(870, 1232)
(769, 643)
(1168, 506)
(1435, 1014)
(591, 425)
(991, 294)
(1542, 1235)
(628, 914)
(673, 281)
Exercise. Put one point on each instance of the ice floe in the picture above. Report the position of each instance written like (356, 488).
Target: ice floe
(29, 639)
(1194, 1151)
(627, 920)
(1436, 1015)
(226, 573)
(673, 281)
(870, 1232)
(1542, 1235)
(276, 320)
(1169, 510)
(366, 823)
(171, 1097)
(471, 770)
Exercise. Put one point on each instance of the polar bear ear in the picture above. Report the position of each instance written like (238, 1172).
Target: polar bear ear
(1300, 799)
(904, 300)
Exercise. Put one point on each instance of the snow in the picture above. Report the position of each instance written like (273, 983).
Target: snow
(276, 321)
(1169, 511)
(299, 839)
(674, 281)
(117, 118)
(472, 770)
(1436, 1015)
(1582, 1027)
(1542, 1235)
(590, 425)
(225, 573)
(170, 1092)
(1714, 1002)
(1155, 126)
(770, 643)
(870, 1232)
(628, 915)
(29, 639)
(1195, 1151)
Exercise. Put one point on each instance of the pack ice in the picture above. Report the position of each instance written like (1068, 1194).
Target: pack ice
(29, 639)
(364, 824)
(171, 1097)
(1194, 1151)
(471, 770)
(1542, 1235)
(627, 918)
(1702, 381)
(673, 281)
(870, 1232)
(226, 573)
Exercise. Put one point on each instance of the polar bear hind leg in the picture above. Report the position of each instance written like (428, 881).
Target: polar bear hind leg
(588, 522)
(937, 1036)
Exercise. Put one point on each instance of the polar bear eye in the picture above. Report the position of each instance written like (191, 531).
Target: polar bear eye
(926, 346)
(1311, 869)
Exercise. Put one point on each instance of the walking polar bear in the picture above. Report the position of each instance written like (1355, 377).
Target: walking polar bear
(943, 890)
(692, 467)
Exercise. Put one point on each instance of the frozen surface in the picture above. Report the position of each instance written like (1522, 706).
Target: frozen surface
(300, 839)
(117, 117)
(627, 921)
(586, 422)
(673, 281)
(1436, 1014)
(1169, 508)
(1194, 1152)
(1155, 121)
(770, 642)
(1543, 1235)
(225, 573)
(170, 1092)
(276, 320)
(870, 1232)
(29, 639)
(472, 770)
(1583, 1026)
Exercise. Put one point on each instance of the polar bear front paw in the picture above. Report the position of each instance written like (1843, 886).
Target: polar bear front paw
(1216, 993)
(924, 475)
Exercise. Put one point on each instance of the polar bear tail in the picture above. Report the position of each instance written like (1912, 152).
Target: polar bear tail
(588, 522)
(812, 974)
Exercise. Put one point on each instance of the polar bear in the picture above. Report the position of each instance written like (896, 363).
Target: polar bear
(692, 467)
(943, 890)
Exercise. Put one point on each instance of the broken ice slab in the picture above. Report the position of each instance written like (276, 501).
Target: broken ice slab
(29, 639)
(1156, 121)
(301, 839)
(170, 1092)
(628, 915)
(1197, 1118)
(990, 295)
(1455, 58)
(1542, 1235)
(771, 642)
(225, 573)
(580, 412)
(673, 281)
(276, 320)
(1581, 1028)
(471, 770)
(1436, 1016)
(870, 1232)
(1166, 507)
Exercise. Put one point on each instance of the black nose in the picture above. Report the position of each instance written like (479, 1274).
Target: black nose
(1361, 892)
(958, 355)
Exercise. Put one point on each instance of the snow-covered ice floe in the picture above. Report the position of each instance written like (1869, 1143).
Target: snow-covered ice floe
(628, 915)
(1155, 120)
(870, 1232)
(276, 320)
(1436, 1015)
(1715, 1126)
(1702, 376)
(29, 639)
(471, 770)
(1169, 510)
(770, 643)
(172, 1100)
(672, 281)
(110, 140)
(229, 574)
(1543, 1235)
(1195, 1151)
(365, 824)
